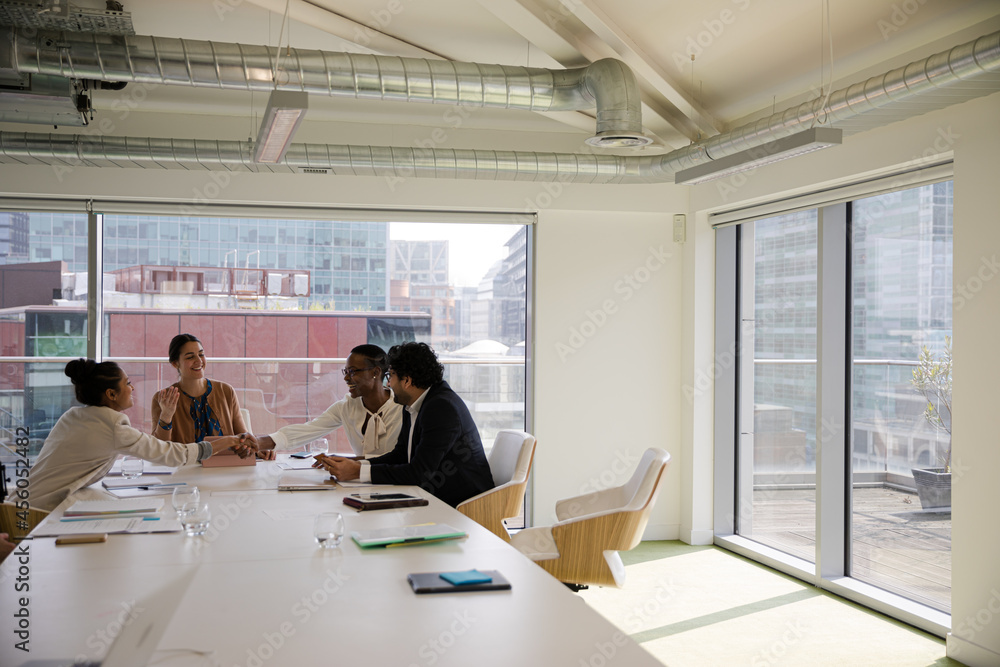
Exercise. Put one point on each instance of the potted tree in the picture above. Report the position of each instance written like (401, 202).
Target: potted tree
(932, 378)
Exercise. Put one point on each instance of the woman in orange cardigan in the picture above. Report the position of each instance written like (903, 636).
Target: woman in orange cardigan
(194, 408)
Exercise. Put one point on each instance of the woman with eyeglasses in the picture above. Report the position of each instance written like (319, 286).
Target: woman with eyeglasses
(194, 408)
(370, 418)
(84, 443)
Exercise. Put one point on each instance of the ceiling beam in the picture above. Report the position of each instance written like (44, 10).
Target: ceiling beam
(646, 69)
(558, 33)
(349, 30)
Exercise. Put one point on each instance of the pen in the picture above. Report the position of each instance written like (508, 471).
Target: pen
(107, 517)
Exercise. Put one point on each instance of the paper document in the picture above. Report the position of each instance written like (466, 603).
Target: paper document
(147, 469)
(107, 508)
(143, 492)
(296, 464)
(52, 528)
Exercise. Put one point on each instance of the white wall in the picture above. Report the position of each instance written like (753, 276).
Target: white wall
(608, 337)
(972, 133)
(976, 433)
(597, 408)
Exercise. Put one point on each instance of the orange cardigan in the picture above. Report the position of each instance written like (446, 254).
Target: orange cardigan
(225, 407)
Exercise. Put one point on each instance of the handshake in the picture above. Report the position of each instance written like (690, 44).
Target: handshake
(244, 445)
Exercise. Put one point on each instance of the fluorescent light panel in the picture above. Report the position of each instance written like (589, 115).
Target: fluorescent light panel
(285, 110)
(781, 149)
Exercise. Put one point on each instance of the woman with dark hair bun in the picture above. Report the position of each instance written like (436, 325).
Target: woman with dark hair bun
(84, 443)
(194, 407)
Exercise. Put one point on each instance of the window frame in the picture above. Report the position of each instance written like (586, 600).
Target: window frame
(831, 571)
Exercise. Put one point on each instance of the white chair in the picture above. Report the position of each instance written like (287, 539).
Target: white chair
(246, 419)
(582, 547)
(510, 463)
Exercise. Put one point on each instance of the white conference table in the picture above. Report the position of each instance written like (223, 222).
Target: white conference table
(264, 594)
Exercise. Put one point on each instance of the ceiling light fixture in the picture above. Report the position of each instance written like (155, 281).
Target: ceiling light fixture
(285, 110)
(781, 149)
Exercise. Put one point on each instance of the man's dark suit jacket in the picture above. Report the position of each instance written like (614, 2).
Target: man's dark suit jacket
(448, 459)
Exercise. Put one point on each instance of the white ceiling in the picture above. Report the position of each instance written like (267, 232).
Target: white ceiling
(752, 56)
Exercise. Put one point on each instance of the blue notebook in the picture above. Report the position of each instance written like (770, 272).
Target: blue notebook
(432, 582)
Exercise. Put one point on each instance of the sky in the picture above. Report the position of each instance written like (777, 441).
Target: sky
(472, 250)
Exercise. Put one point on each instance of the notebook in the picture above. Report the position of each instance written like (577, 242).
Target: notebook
(431, 582)
(383, 501)
(123, 483)
(406, 535)
(228, 459)
(138, 639)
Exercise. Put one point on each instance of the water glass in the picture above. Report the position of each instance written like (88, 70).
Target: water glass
(131, 467)
(319, 446)
(328, 529)
(196, 522)
(185, 500)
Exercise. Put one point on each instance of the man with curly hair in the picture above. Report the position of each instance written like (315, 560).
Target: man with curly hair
(438, 448)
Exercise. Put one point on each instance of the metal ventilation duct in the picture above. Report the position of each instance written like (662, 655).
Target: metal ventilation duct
(64, 16)
(962, 73)
(607, 84)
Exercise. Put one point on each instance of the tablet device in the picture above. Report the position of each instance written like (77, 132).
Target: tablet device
(431, 582)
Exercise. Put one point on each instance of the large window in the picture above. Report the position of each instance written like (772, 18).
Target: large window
(276, 303)
(901, 287)
(841, 394)
(783, 313)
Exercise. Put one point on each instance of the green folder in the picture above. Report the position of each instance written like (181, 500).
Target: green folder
(406, 535)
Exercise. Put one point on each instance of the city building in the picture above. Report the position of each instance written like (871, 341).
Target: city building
(346, 261)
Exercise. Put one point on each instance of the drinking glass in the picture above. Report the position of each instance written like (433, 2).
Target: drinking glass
(319, 446)
(131, 467)
(196, 522)
(328, 529)
(185, 500)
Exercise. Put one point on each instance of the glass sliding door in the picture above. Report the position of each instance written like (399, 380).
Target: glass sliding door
(778, 431)
(841, 397)
(901, 286)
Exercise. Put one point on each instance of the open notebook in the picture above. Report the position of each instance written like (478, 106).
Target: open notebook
(135, 644)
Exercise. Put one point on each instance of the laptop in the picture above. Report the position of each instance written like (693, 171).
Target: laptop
(306, 480)
(135, 644)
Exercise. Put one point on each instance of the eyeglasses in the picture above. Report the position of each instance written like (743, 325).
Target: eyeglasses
(349, 372)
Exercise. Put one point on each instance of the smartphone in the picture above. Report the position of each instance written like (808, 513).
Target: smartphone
(300, 455)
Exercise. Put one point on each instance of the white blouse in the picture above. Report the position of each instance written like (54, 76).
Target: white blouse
(379, 437)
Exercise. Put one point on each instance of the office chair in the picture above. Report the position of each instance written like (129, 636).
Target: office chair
(582, 547)
(18, 523)
(510, 462)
